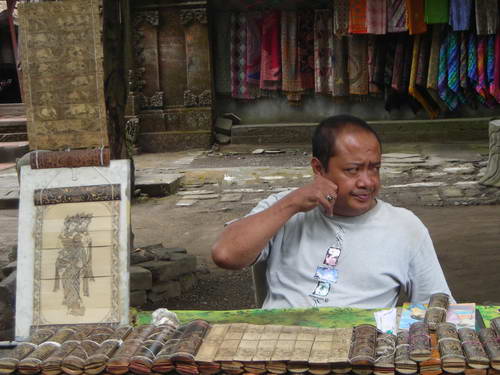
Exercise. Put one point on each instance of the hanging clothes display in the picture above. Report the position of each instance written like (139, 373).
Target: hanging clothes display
(253, 61)
(223, 55)
(390, 98)
(453, 66)
(270, 68)
(323, 51)
(396, 16)
(432, 72)
(460, 14)
(356, 66)
(357, 17)
(490, 63)
(239, 83)
(340, 17)
(444, 92)
(292, 85)
(380, 55)
(305, 40)
(340, 77)
(372, 60)
(436, 11)
(481, 86)
(486, 16)
(496, 79)
(376, 16)
(415, 17)
(472, 68)
(397, 71)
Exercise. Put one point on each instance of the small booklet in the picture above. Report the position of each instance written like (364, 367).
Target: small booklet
(462, 314)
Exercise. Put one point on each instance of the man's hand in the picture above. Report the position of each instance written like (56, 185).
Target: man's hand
(321, 191)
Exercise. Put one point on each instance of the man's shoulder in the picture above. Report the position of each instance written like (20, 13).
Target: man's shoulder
(400, 216)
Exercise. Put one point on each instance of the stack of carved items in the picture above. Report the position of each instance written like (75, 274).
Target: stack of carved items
(198, 348)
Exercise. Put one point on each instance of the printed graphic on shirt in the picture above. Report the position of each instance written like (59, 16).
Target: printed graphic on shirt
(322, 289)
(332, 256)
(326, 274)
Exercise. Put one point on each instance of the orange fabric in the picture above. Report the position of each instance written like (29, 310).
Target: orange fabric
(357, 17)
(415, 12)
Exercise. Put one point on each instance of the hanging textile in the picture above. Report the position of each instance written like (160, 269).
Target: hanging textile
(486, 16)
(391, 99)
(453, 64)
(464, 81)
(380, 56)
(372, 57)
(397, 70)
(496, 80)
(223, 54)
(305, 42)
(357, 17)
(270, 68)
(481, 87)
(340, 77)
(415, 16)
(239, 82)
(323, 51)
(432, 72)
(444, 92)
(254, 23)
(460, 13)
(412, 89)
(340, 17)
(376, 16)
(472, 68)
(406, 74)
(436, 11)
(356, 68)
(396, 16)
(423, 61)
(291, 85)
(490, 63)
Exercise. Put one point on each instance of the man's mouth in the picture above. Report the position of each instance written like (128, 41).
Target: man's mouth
(365, 196)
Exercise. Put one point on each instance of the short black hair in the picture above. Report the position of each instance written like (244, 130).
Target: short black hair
(325, 135)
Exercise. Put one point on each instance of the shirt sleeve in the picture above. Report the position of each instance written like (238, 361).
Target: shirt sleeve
(425, 274)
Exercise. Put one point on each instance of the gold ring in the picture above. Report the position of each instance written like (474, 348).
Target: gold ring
(330, 198)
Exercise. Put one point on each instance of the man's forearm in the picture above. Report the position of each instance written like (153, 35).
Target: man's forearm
(242, 241)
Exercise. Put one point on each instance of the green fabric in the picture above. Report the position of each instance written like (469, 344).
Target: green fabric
(436, 11)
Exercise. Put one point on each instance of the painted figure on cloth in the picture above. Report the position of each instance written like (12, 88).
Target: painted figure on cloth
(73, 267)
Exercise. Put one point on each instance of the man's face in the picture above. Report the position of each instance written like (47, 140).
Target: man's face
(355, 170)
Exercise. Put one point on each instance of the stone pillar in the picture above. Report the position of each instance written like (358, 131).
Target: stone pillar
(492, 175)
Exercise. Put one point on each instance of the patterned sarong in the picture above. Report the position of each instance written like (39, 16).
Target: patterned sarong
(323, 51)
(340, 17)
(305, 42)
(291, 85)
(372, 57)
(453, 62)
(376, 16)
(397, 70)
(380, 56)
(432, 72)
(239, 83)
(396, 16)
(445, 93)
(436, 11)
(415, 17)
(390, 98)
(254, 20)
(412, 89)
(270, 67)
(490, 63)
(460, 13)
(357, 17)
(486, 16)
(340, 77)
(481, 86)
(358, 58)
(472, 71)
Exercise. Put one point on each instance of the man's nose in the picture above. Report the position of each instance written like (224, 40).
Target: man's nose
(365, 180)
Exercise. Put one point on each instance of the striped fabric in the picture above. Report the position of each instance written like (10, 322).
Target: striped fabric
(490, 63)
(496, 81)
(340, 17)
(444, 92)
(486, 16)
(291, 84)
(376, 16)
(357, 17)
(481, 87)
(396, 16)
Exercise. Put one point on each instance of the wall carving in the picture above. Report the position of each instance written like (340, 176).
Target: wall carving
(153, 102)
(189, 16)
(193, 100)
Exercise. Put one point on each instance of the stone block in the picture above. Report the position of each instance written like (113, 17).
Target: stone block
(176, 250)
(185, 262)
(187, 281)
(140, 256)
(160, 253)
(159, 185)
(223, 126)
(452, 192)
(174, 140)
(138, 298)
(7, 307)
(161, 270)
(156, 298)
(140, 278)
(168, 289)
(191, 119)
(153, 121)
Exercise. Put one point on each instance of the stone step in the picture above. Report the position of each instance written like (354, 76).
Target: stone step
(12, 125)
(12, 109)
(13, 137)
(440, 130)
(158, 184)
(10, 151)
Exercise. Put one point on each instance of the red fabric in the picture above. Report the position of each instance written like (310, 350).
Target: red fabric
(270, 69)
(357, 17)
(415, 13)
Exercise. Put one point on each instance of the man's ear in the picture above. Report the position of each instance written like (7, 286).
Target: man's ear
(317, 167)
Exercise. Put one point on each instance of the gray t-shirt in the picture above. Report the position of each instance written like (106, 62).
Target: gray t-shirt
(362, 261)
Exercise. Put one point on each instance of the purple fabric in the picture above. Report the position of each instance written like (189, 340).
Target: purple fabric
(460, 14)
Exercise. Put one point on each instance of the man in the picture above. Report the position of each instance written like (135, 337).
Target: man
(379, 250)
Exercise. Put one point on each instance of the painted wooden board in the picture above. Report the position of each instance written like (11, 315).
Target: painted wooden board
(73, 257)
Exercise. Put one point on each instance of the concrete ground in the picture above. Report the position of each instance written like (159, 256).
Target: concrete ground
(438, 182)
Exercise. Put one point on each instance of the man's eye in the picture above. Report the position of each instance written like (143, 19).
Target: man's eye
(351, 170)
